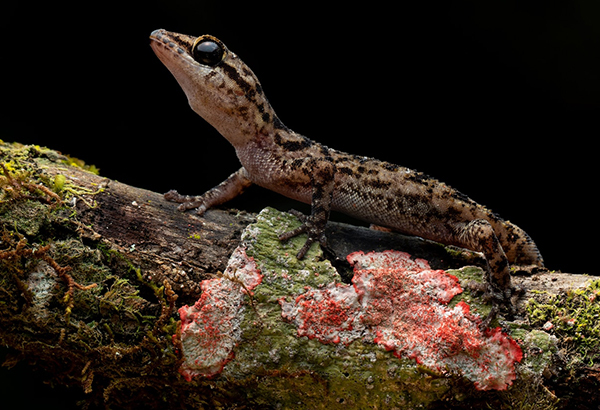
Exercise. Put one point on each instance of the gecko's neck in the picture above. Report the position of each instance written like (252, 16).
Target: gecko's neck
(219, 86)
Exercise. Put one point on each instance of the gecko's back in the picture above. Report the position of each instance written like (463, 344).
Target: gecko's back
(414, 203)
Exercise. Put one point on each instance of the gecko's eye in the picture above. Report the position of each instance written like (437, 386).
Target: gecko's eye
(208, 52)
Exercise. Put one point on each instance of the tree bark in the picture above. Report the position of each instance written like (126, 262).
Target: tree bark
(93, 273)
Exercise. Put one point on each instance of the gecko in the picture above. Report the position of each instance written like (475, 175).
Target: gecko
(224, 91)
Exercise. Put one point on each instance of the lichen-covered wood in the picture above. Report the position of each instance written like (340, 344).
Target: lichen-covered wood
(95, 276)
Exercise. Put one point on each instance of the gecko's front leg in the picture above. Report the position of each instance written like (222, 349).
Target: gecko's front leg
(322, 173)
(226, 190)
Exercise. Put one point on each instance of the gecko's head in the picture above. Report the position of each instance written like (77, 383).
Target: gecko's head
(218, 85)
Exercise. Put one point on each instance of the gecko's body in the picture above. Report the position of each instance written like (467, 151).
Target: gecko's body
(227, 94)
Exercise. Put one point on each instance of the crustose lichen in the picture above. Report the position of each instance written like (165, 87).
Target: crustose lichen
(15, 252)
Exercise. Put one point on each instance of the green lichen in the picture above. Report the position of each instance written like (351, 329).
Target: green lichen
(541, 347)
(471, 277)
(285, 272)
(574, 317)
(301, 373)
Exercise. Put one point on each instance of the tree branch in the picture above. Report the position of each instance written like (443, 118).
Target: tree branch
(99, 283)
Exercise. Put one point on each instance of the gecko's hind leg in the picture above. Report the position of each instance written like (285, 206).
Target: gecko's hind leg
(479, 236)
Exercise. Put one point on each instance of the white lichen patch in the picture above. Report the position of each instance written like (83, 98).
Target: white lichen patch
(41, 282)
(210, 329)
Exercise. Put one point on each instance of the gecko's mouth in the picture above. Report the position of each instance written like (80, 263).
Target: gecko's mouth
(160, 37)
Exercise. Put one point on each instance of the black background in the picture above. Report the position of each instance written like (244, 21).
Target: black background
(499, 99)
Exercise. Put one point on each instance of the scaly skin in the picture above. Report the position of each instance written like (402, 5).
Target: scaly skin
(227, 94)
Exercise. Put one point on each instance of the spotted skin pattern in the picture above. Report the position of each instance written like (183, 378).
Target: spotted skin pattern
(227, 94)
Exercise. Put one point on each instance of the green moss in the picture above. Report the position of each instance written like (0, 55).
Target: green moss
(76, 162)
(100, 337)
(28, 219)
(574, 317)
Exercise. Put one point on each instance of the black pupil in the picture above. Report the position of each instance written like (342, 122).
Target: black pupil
(208, 52)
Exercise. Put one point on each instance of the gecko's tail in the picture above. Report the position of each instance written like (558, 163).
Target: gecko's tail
(519, 247)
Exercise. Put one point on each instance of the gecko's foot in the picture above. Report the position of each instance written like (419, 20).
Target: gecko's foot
(314, 229)
(503, 302)
(186, 202)
(485, 323)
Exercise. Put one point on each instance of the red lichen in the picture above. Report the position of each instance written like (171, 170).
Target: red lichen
(401, 304)
(330, 315)
(210, 329)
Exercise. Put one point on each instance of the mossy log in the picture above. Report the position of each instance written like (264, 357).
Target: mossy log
(99, 282)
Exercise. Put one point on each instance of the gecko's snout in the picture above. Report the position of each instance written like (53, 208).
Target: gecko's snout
(157, 34)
